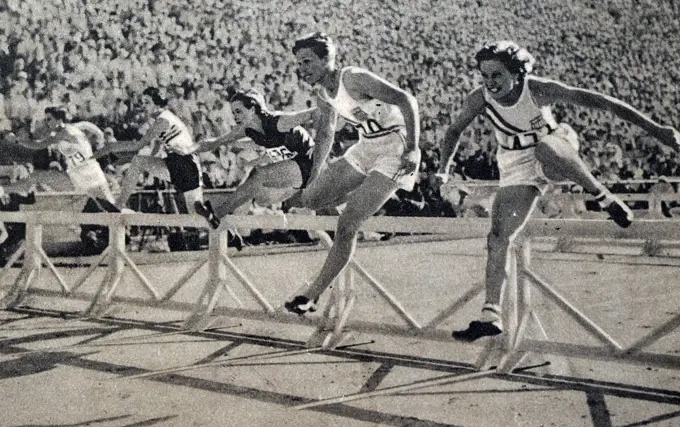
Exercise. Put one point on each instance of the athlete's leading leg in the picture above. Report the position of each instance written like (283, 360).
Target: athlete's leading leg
(280, 175)
(105, 200)
(511, 209)
(365, 201)
(192, 197)
(332, 186)
(559, 159)
(153, 165)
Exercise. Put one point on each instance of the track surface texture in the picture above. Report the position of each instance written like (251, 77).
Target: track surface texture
(80, 377)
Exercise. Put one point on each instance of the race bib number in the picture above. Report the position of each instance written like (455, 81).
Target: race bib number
(76, 158)
(279, 154)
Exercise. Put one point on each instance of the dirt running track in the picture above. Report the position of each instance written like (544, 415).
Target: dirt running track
(85, 385)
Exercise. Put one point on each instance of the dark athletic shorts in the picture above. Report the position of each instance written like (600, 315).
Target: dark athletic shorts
(185, 171)
(305, 165)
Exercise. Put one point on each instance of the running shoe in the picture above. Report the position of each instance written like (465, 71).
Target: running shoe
(618, 211)
(476, 330)
(206, 211)
(300, 305)
(234, 240)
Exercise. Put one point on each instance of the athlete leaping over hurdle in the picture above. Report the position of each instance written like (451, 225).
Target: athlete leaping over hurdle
(386, 157)
(279, 133)
(71, 141)
(532, 148)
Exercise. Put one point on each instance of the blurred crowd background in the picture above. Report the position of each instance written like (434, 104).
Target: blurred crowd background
(96, 56)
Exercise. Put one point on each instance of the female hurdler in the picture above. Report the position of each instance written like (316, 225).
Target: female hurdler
(533, 148)
(385, 159)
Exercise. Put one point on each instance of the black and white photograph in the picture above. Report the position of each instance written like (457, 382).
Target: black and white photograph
(346, 213)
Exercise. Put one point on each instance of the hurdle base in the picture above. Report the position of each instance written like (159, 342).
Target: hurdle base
(328, 338)
(12, 299)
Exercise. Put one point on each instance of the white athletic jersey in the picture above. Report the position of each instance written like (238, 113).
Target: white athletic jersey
(177, 137)
(73, 144)
(520, 125)
(371, 117)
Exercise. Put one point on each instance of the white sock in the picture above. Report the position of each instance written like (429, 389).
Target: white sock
(491, 313)
(604, 198)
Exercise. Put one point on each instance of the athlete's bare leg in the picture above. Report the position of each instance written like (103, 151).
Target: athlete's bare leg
(155, 166)
(332, 187)
(511, 209)
(280, 175)
(365, 201)
(560, 160)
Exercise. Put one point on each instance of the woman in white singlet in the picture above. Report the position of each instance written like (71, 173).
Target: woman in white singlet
(84, 171)
(170, 136)
(532, 148)
(385, 159)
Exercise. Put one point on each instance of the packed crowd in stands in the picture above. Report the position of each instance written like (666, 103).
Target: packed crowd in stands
(96, 56)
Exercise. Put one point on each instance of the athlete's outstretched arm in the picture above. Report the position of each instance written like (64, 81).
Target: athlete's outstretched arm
(325, 135)
(366, 84)
(36, 144)
(209, 144)
(91, 129)
(41, 138)
(289, 119)
(550, 91)
(158, 126)
(473, 107)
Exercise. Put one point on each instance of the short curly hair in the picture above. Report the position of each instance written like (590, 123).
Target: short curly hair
(516, 59)
(250, 99)
(320, 43)
(155, 94)
(59, 112)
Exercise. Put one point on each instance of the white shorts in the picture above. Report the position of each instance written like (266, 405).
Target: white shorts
(383, 155)
(87, 176)
(521, 167)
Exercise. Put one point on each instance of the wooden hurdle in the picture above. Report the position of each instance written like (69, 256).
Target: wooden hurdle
(504, 352)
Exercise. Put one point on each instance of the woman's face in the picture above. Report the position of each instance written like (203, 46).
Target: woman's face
(311, 68)
(498, 80)
(148, 105)
(242, 115)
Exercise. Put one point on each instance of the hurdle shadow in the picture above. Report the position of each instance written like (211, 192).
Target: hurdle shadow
(149, 422)
(388, 360)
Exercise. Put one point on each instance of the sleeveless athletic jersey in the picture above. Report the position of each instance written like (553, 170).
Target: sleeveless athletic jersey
(177, 137)
(74, 145)
(371, 117)
(519, 126)
(286, 145)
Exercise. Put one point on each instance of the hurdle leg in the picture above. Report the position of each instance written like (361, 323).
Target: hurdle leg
(332, 311)
(12, 260)
(114, 274)
(346, 300)
(522, 308)
(499, 348)
(327, 242)
(321, 336)
(199, 319)
(104, 255)
(336, 313)
(475, 290)
(94, 307)
(31, 268)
